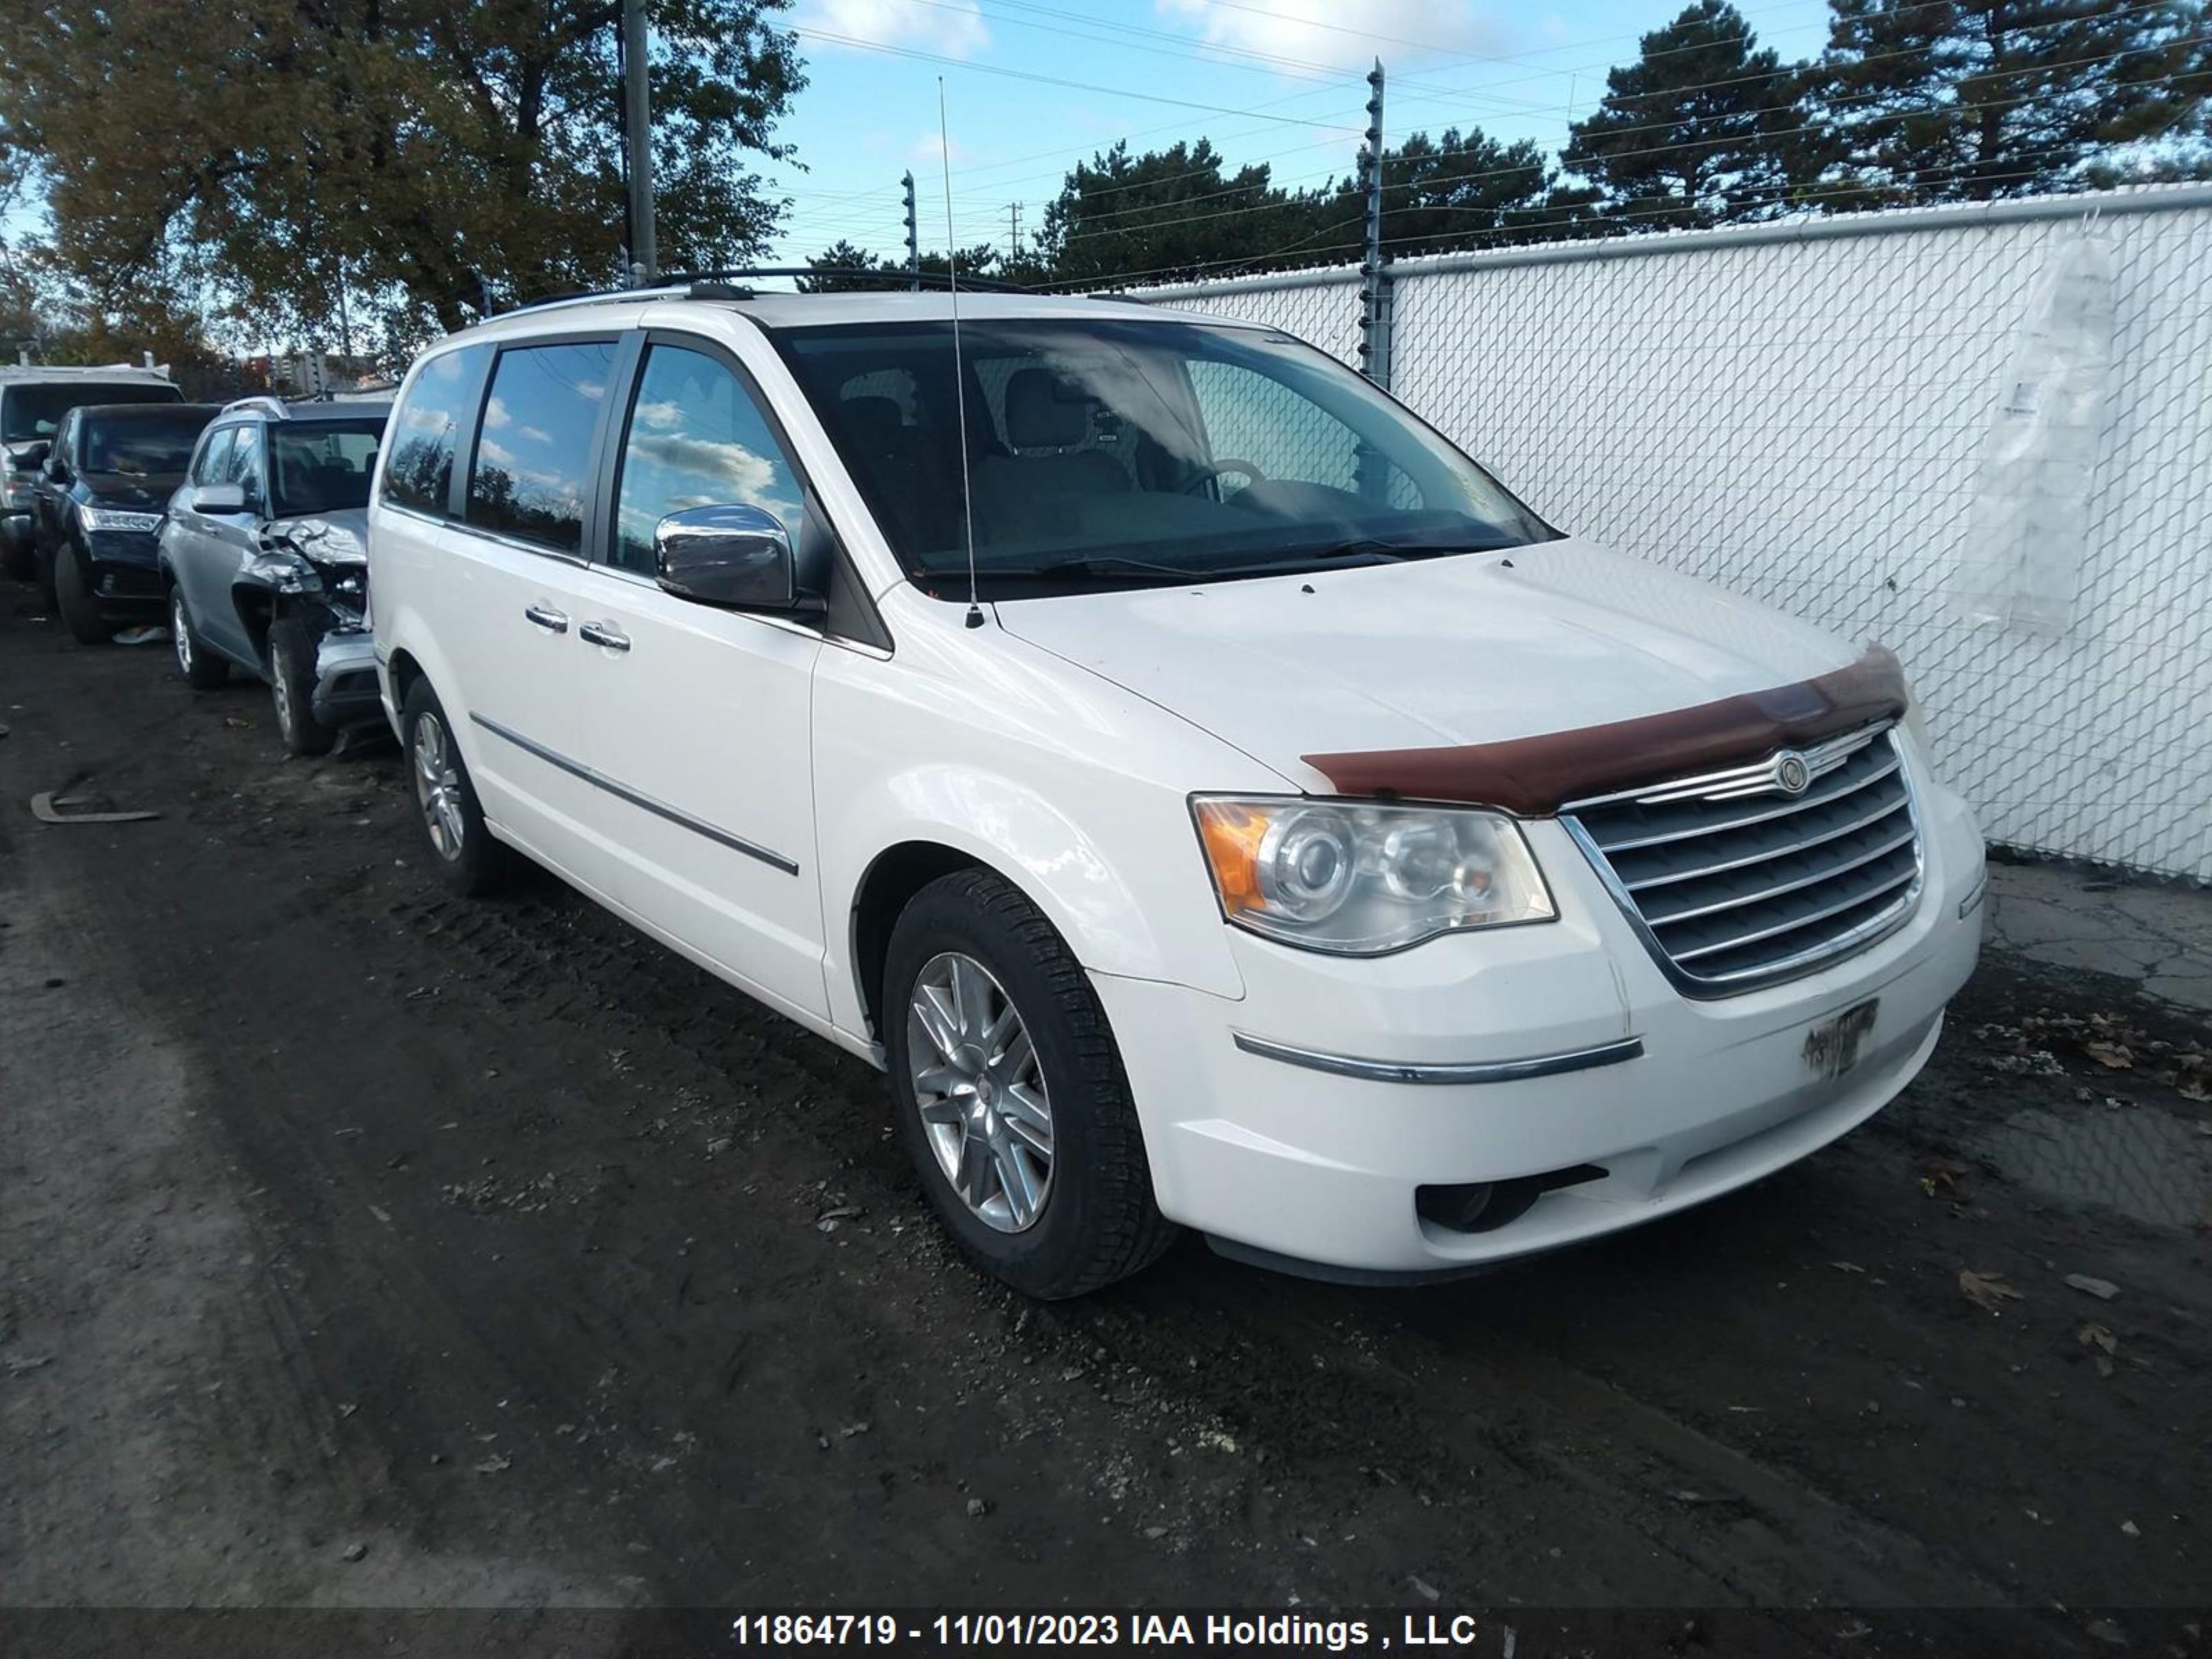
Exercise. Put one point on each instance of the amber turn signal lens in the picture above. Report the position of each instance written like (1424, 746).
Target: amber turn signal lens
(1231, 832)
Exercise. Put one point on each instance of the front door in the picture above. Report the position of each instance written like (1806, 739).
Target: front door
(693, 720)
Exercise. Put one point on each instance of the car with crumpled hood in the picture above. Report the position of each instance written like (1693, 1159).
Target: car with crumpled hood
(264, 567)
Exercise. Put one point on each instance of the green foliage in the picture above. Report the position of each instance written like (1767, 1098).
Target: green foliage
(1971, 100)
(1701, 129)
(1166, 214)
(433, 156)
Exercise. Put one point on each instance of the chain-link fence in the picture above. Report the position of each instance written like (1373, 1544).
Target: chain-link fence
(1804, 414)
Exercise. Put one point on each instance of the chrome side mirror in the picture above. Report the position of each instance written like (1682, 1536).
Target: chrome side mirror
(730, 555)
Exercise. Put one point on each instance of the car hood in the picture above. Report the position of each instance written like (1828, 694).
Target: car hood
(1467, 649)
(147, 492)
(340, 538)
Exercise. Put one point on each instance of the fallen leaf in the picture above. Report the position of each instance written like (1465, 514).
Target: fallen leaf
(2116, 1056)
(1987, 1290)
(2103, 1289)
(2093, 1335)
(1847, 1267)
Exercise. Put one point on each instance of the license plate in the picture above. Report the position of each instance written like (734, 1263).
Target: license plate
(1832, 1047)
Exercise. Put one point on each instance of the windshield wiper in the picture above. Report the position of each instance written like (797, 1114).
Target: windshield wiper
(1117, 567)
(1090, 567)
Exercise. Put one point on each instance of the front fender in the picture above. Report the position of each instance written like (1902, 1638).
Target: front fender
(1071, 787)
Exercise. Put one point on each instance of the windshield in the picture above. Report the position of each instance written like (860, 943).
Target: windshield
(33, 411)
(141, 445)
(1113, 453)
(323, 466)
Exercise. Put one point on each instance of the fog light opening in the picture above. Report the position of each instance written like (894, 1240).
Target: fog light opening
(1482, 1206)
(1458, 1207)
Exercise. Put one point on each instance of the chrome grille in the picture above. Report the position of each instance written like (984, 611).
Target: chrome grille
(1733, 883)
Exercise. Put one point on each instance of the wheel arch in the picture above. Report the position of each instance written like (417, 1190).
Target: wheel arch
(887, 887)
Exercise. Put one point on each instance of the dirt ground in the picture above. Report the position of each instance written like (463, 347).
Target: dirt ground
(366, 1249)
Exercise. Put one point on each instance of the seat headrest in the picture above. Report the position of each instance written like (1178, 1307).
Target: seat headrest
(1044, 411)
(873, 420)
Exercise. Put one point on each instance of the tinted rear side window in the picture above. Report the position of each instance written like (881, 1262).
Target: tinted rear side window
(426, 426)
(534, 450)
(33, 410)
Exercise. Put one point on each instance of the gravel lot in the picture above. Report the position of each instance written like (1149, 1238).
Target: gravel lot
(363, 1248)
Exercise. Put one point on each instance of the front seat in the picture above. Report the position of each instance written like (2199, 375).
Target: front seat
(1042, 488)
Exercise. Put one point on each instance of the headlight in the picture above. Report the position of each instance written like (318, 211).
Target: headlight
(108, 518)
(16, 495)
(1361, 879)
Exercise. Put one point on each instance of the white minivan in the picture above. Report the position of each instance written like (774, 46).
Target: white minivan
(1211, 797)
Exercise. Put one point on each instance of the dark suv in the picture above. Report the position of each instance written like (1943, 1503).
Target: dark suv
(33, 398)
(98, 506)
(264, 561)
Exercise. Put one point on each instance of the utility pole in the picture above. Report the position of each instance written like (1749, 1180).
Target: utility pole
(1014, 230)
(637, 122)
(913, 239)
(1374, 278)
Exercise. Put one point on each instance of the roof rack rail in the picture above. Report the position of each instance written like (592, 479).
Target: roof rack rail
(260, 403)
(727, 284)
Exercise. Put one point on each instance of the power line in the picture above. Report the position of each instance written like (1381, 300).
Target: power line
(1670, 149)
(2141, 5)
(1058, 81)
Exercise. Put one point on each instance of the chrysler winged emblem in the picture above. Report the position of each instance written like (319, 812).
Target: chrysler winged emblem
(1792, 776)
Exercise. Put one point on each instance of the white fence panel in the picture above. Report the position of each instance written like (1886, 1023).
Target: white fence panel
(1798, 416)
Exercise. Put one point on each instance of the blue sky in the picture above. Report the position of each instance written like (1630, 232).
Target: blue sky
(1287, 73)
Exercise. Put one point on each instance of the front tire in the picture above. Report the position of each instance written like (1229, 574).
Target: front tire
(291, 689)
(462, 851)
(1009, 1093)
(79, 611)
(202, 669)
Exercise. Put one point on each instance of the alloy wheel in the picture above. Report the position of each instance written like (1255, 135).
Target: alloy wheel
(280, 688)
(180, 634)
(980, 1095)
(438, 786)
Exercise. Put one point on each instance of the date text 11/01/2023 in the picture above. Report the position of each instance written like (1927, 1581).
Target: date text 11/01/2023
(1242, 1630)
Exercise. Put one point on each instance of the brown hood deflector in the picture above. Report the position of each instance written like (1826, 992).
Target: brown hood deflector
(1536, 776)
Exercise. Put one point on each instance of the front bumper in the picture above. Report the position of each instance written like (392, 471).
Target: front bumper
(122, 572)
(345, 693)
(1306, 1166)
(15, 529)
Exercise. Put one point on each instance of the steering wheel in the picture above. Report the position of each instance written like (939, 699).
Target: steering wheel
(1207, 472)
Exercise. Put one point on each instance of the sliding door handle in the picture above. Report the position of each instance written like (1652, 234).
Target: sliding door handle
(601, 633)
(546, 617)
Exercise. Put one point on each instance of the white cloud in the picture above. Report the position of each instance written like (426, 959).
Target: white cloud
(929, 148)
(536, 435)
(1323, 32)
(954, 27)
(495, 413)
(731, 468)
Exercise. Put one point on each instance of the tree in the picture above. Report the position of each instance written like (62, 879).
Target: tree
(434, 158)
(842, 255)
(1971, 99)
(1701, 129)
(1463, 189)
(1165, 214)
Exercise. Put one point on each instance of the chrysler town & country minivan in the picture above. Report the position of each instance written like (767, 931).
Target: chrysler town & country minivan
(1212, 799)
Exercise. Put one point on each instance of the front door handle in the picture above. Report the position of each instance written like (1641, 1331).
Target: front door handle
(601, 633)
(545, 616)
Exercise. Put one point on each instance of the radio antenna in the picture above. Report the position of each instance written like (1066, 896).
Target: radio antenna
(959, 370)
